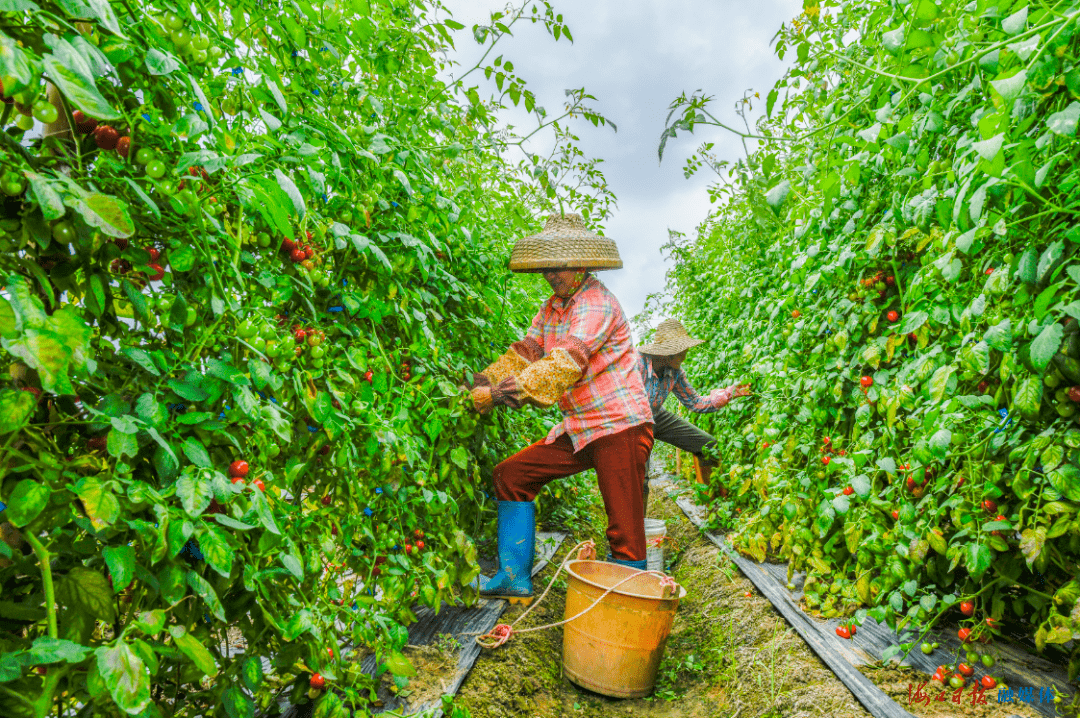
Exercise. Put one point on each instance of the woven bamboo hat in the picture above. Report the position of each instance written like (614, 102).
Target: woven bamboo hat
(565, 243)
(671, 338)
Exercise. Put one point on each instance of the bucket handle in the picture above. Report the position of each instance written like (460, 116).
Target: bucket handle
(502, 632)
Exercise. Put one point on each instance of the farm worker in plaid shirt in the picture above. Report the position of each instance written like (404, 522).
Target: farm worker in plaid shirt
(578, 353)
(661, 370)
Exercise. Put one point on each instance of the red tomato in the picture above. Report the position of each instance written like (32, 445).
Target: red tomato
(843, 632)
(154, 253)
(123, 146)
(419, 545)
(825, 460)
(317, 682)
(238, 480)
(988, 682)
(106, 137)
(327, 500)
(989, 506)
(966, 670)
(963, 634)
(239, 468)
(848, 491)
(159, 272)
(408, 549)
(297, 255)
(287, 245)
(891, 281)
(258, 483)
(1074, 393)
(992, 622)
(796, 314)
(368, 375)
(896, 515)
(893, 315)
(83, 124)
(983, 386)
(867, 382)
(967, 608)
(418, 533)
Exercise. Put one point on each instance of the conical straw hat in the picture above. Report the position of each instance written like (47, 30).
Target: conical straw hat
(565, 243)
(671, 338)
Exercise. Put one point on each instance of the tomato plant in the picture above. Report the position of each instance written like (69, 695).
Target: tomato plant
(911, 195)
(245, 265)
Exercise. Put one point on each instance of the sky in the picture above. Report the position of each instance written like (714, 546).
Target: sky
(635, 57)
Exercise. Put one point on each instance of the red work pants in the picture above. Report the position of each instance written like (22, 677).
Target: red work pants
(619, 460)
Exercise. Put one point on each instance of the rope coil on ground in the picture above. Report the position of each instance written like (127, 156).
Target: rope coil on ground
(502, 632)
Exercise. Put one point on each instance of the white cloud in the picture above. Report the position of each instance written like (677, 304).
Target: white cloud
(636, 56)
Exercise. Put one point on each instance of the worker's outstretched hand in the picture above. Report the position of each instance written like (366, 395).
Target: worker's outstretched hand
(741, 390)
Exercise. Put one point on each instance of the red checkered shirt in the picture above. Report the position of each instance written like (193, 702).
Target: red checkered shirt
(610, 396)
(658, 384)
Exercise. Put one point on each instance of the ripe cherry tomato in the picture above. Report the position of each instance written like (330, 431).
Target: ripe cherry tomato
(843, 632)
(893, 315)
(825, 460)
(287, 245)
(989, 506)
(967, 607)
(988, 682)
(408, 549)
(258, 483)
(796, 314)
(106, 137)
(83, 124)
(123, 146)
(963, 634)
(368, 376)
(867, 382)
(966, 670)
(239, 468)
(848, 491)
(327, 500)
(159, 272)
(419, 545)
(317, 682)
(154, 253)
(238, 480)
(418, 534)
(297, 255)
(991, 622)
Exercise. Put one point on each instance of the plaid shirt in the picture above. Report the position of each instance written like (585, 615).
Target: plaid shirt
(610, 396)
(659, 384)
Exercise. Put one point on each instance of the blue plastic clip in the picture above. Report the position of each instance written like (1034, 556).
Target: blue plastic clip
(312, 429)
(2, 507)
(336, 309)
(368, 511)
(198, 107)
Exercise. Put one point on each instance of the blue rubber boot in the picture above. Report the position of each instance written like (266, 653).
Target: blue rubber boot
(517, 539)
(639, 565)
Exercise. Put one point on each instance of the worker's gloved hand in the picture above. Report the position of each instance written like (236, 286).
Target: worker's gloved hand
(740, 390)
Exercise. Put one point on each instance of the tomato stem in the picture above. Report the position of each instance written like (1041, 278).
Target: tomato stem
(46, 579)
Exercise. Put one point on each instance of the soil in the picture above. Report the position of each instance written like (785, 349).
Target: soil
(729, 654)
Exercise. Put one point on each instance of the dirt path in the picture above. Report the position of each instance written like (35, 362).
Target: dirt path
(729, 654)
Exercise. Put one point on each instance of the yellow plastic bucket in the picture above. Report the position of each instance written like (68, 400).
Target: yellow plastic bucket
(615, 648)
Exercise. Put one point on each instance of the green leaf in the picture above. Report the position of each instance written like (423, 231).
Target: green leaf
(98, 500)
(1025, 270)
(125, 675)
(1046, 345)
(151, 622)
(939, 443)
(194, 650)
(1028, 396)
(777, 196)
(1064, 123)
(16, 408)
(460, 457)
(161, 63)
(399, 665)
(52, 207)
(939, 382)
(219, 554)
(977, 558)
(205, 591)
(193, 488)
(226, 372)
(262, 510)
(55, 650)
(81, 93)
(141, 358)
(251, 673)
(26, 502)
(913, 321)
(182, 259)
(999, 336)
(87, 591)
(188, 391)
(150, 204)
(120, 444)
(292, 191)
(237, 703)
(121, 563)
(1066, 481)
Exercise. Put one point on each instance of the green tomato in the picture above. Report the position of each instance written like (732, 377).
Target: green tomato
(155, 169)
(63, 232)
(258, 344)
(273, 348)
(200, 42)
(191, 317)
(318, 363)
(12, 184)
(173, 21)
(24, 122)
(273, 450)
(45, 112)
(988, 660)
(246, 330)
(927, 648)
(144, 156)
(263, 239)
(181, 38)
(199, 57)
